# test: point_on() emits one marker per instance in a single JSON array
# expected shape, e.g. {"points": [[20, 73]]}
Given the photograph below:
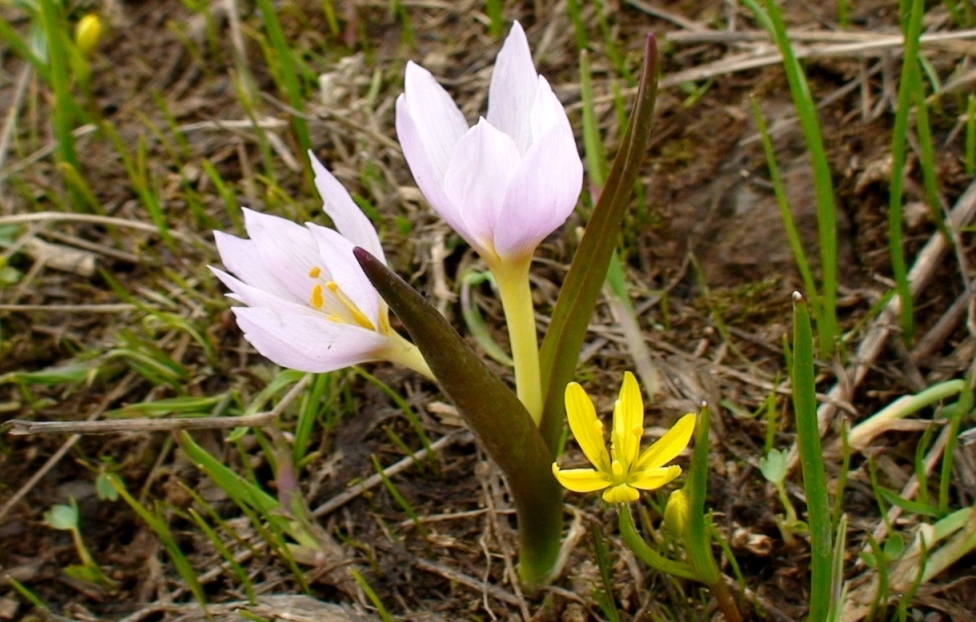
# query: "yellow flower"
{"points": [[676, 513], [87, 33], [625, 468]]}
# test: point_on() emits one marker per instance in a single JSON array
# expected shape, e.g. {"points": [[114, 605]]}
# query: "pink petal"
{"points": [[349, 220], [336, 252], [241, 257], [541, 196], [287, 250], [308, 343], [484, 163], [513, 89], [429, 178], [439, 121]]}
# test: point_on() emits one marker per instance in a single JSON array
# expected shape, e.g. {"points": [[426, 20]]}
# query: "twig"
{"points": [[811, 36], [20, 427], [374, 480], [666, 15], [106, 308], [120, 389], [479, 586], [111, 221], [740, 62]]}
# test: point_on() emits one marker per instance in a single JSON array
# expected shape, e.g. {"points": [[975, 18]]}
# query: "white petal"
{"points": [[258, 297], [514, 81], [349, 220], [439, 121], [336, 253], [541, 195], [288, 251], [483, 165], [547, 111], [429, 178], [241, 257], [308, 343]]}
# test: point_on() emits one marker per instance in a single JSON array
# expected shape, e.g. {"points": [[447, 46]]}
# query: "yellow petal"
{"points": [[585, 426], [676, 512], [621, 494], [628, 421], [666, 448], [652, 479], [580, 480]]}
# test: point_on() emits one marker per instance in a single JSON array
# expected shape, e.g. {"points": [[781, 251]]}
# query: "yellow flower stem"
{"points": [[402, 352], [516, 295]]}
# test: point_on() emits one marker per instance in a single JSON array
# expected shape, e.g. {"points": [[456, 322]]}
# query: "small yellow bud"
{"points": [[676, 513], [87, 33]]}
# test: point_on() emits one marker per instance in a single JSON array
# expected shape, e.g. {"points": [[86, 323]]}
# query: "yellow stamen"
{"points": [[317, 298], [315, 272], [350, 306]]}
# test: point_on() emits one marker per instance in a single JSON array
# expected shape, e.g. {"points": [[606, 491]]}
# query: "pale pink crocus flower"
{"points": [[510, 180], [504, 184], [309, 306]]}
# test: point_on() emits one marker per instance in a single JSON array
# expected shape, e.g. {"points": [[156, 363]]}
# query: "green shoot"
{"points": [[826, 311], [811, 462]]}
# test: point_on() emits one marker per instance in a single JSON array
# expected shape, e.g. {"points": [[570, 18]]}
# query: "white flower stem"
{"points": [[516, 295], [402, 352]]}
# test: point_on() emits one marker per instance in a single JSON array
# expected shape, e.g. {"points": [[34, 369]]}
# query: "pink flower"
{"points": [[511, 179], [309, 306]]}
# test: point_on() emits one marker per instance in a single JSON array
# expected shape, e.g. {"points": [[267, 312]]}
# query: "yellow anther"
{"points": [[637, 431], [317, 299], [350, 306], [617, 468], [315, 272]]}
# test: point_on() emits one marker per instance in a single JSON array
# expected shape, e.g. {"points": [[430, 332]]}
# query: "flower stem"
{"points": [[402, 352], [634, 542], [516, 295]]}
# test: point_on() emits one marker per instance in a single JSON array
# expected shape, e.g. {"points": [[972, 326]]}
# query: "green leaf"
{"points": [[922, 509], [581, 289], [63, 517], [811, 461], [104, 489], [495, 415], [774, 466]]}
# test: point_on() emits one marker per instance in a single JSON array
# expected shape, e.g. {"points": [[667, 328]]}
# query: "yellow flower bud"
{"points": [[87, 33], [676, 513]]}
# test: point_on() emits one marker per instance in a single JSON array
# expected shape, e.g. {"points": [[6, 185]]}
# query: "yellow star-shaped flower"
{"points": [[625, 468]]}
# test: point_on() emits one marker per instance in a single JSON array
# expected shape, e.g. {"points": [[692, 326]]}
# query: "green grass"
{"points": [[824, 300]]}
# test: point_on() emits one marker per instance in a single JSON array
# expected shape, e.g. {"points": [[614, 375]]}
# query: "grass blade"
{"points": [[811, 462], [772, 20]]}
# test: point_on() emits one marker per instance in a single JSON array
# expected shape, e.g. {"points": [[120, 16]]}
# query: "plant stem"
{"points": [[698, 539], [634, 542], [516, 295], [402, 352]]}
